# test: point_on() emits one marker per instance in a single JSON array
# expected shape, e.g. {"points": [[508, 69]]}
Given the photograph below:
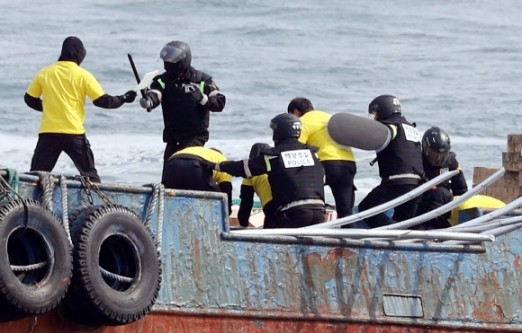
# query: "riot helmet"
{"points": [[382, 107], [285, 125], [436, 146], [176, 58]]}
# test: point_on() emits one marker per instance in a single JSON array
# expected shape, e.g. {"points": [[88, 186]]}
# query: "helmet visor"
{"points": [[436, 158], [172, 54]]}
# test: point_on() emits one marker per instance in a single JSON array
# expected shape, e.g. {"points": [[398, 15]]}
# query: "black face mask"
{"points": [[173, 69]]}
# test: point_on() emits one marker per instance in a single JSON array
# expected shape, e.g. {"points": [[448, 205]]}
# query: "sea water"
{"points": [[454, 64]]}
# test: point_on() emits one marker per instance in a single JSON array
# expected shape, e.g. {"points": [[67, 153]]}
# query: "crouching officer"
{"points": [[255, 185], [184, 171], [438, 158], [294, 173]]}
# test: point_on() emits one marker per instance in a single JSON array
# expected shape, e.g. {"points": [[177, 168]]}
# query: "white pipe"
{"points": [[483, 227], [387, 205], [494, 232], [503, 230], [482, 220], [447, 207], [490, 216], [365, 233]]}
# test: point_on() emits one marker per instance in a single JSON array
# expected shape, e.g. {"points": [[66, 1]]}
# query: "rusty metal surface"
{"points": [[168, 322], [210, 274]]}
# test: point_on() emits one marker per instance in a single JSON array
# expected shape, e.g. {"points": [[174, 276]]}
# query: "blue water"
{"points": [[454, 64]]}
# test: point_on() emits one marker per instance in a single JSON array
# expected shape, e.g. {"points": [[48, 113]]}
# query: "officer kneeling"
{"points": [[294, 173]]}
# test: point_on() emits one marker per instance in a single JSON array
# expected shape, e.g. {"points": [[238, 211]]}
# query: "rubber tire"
{"points": [[31, 234], [115, 238]]}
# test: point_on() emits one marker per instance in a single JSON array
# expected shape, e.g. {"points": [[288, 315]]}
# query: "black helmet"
{"points": [[384, 106], [176, 57], [436, 146], [285, 125]]}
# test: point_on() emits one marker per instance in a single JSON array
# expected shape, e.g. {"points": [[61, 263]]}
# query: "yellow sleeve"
{"points": [[93, 88], [221, 177], [35, 89]]}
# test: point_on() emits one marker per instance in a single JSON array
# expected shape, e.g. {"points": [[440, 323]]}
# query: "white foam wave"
{"points": [[137, 159]]}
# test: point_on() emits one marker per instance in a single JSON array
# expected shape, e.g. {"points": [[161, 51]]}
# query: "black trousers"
{"points": [[384, 193], [339, 176], [173, 147], [76, 146], [430, 200], [296, 217], [187, 174]]}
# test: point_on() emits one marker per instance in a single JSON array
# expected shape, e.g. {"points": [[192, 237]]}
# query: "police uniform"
{"points": [[457, 184], [295, 176], [186, 120], [400, 169], [184, 171], [256, 185], [442, 193], [186, 96]]}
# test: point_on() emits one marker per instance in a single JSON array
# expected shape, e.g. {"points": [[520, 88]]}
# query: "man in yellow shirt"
{"points": [[256, 185], [63, 87], [338, 163], [184, 171]]}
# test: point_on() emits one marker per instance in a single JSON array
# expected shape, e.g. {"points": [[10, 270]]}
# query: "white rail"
{"points": [[385, 206], [368, 233], [447, 207]]}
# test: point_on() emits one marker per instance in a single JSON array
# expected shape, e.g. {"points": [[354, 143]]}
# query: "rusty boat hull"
{"points": [[215, 280]]}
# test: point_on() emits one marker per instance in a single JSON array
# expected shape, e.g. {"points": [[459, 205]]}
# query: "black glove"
{"points": [[207, 165], [129, 96], [196, 93]]}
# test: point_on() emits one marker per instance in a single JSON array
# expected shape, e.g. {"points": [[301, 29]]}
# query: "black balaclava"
{"points": [[173, 69], [73, 50]]}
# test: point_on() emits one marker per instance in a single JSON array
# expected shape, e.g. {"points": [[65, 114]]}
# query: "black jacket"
{"points": [[403, 155], [288, 183], [183, 115], [457, 184]]}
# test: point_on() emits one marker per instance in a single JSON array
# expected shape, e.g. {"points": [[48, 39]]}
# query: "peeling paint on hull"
{"points": [[168, 322], [215, 281]]}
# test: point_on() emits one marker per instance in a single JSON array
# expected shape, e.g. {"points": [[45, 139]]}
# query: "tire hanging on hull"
{"points": [[117, 268], [35, 260]]}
